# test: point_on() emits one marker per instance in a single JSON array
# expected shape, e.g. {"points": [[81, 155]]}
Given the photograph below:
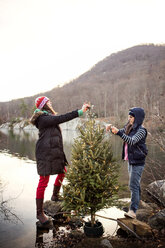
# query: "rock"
{"points": [[52, 208], [144, 214], [25, 124], [30, 127], [145, 211], [157, 221], [153, 206], [75, 222], [71, 125], [138, 227], [144, 205], [163, 232], [46, 226], [122, 233], [157, 190], [5, 125], [105, 243], [95, 243]]}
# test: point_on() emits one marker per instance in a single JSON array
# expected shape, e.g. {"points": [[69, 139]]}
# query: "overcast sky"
{"points": [[45, 43]]}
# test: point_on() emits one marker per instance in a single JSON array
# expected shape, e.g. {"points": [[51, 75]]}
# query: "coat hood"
{"points": [[139, 116], [36, 114]]}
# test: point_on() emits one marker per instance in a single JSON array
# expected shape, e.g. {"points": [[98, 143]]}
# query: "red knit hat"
{"points": [[41, 101]]}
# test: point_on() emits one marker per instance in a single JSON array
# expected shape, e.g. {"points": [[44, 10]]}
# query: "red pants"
{"points": [[43, 183]]}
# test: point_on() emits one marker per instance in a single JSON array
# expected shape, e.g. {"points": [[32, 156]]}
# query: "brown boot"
{"points": [[40, 213], [55, 196]]}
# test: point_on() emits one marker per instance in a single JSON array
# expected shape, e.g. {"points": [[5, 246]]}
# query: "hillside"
{"points": [[132, 77]]}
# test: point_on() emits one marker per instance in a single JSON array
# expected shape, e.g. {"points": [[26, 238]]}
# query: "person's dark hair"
{"points": [[128, 128], [131, 113]]}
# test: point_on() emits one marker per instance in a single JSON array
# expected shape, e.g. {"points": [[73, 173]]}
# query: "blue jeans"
{"points": [[135, 173]]}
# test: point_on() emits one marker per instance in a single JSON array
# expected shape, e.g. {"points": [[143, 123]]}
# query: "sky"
{"points": [[47, 43]]}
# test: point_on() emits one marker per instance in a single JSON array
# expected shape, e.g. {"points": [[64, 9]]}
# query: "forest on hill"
{"points": [[132, 77]]}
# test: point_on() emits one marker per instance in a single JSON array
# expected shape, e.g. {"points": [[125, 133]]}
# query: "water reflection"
{"points": [[19, 143], [18, 216], [22, 143], [6, 211], [44, 235]]}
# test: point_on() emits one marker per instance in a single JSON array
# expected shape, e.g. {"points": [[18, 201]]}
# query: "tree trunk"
{"points": [[92, 219]]}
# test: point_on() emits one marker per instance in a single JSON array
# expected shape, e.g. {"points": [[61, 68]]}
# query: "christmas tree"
{"points": [[92, 179]]}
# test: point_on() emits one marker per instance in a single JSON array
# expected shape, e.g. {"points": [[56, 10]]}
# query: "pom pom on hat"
{"points": [[41, 101]]}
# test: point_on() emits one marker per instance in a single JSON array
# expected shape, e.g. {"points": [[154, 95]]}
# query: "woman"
{"points": [[49, 152], [134, 151]]}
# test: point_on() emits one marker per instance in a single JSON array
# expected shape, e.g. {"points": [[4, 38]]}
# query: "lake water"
{"points": [[18, 183]]}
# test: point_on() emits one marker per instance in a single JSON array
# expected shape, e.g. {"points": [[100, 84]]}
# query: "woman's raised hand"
{"points": [[85, 107]]}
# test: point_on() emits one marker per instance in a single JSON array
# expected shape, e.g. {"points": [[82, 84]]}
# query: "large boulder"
{"points": [[157, 221], [145, 211], [143, 214], [147, 205], [157, 190], [134, 227]]}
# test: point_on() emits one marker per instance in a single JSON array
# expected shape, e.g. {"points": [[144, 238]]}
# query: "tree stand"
{"points": [[94, 231]]}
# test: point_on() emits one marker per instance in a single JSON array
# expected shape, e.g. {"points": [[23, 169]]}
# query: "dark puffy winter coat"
{"points": [[137, 151], [49, 152]]}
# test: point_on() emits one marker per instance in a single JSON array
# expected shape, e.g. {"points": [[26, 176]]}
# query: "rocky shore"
{"points": [[148, 228], [23, 124]]}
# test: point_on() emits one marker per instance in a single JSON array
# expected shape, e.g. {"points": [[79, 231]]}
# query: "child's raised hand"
{"points": [[108, 127], [114, 130], [111, 128]]}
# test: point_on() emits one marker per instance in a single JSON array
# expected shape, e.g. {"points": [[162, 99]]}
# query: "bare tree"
{"points": [[6, 212]]}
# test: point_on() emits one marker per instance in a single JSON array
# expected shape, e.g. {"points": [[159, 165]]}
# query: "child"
{"points": [[49, 152], [134, 151]]}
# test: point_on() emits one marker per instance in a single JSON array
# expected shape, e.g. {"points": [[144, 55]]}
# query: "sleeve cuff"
{"points": [[80, 112], [119, 133]]}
